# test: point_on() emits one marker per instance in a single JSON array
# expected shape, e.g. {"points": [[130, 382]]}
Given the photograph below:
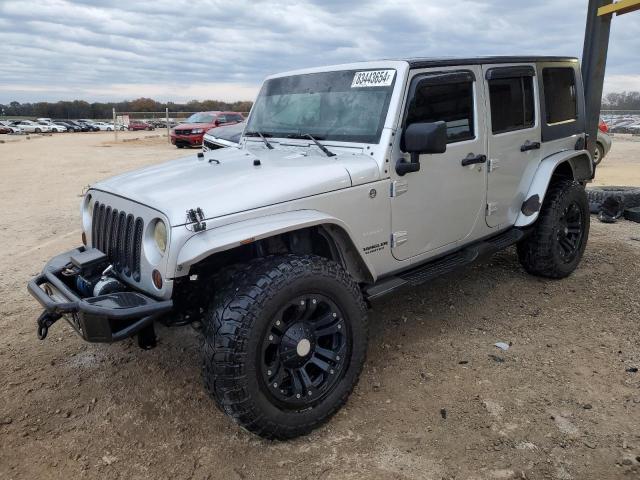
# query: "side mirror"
{"points": [[419, 138], [217, 123]]}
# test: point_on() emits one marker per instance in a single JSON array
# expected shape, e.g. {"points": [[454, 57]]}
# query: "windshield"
{"points": [[347, 106], [200, 118]]}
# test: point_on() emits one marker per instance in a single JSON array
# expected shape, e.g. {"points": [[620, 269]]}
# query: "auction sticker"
{"points": [[373, 78]]}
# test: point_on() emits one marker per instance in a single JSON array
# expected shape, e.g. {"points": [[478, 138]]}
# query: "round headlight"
{"points": [[160, 235]]}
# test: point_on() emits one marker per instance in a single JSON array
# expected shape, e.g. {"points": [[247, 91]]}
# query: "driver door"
{"points": [[438, 206]]}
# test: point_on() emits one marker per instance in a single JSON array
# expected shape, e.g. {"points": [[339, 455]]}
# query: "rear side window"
{"points": [[234, 117], [451, 103], [559, 94], [512, 106]]}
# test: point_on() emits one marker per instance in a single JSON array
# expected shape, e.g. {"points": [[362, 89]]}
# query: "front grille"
{"points": [[119, 236], [183, 132]]}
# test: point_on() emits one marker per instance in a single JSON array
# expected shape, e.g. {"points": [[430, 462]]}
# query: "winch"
{"points": [[94, 274]]}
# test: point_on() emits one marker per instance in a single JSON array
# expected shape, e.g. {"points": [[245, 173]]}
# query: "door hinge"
{"points": [[398, 187], [491, 208], [493, 164], [398, 238]]}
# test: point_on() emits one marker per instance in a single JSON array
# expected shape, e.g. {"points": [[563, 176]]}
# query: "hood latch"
{"points": [[196, 217]]}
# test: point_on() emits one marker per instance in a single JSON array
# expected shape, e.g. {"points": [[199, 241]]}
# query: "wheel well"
{"points": [[562, 172], [328, 241]]}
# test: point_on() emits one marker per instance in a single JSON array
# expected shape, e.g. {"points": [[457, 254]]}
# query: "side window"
{"points": [[236, 117], [559, 94], [512, 105], [452, 103], [221, 118]]}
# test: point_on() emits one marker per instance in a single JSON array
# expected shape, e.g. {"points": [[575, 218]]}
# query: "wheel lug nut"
{"points": [[339, 327], [277, 322], [334, 314], [301, 302], [313, 301], [297, 395], [275, 385], [270, 337], [331, 372], [337, 358], [269, 372], [309, 392]]}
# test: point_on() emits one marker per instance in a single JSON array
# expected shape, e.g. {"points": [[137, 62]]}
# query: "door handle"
{"points": [[472, 159], [530, 146]]}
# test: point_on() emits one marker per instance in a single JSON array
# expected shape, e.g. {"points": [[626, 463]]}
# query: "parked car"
{"points": [[603, 142], [224, 136], [28, 126], [68, 125], [81, 126], [117, 126], [191, 132], [54, 126], [7, 127], [351, 182], [139, 125], [103, 126], [90, 126]]}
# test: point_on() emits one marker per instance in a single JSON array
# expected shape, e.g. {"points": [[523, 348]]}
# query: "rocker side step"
{"points": [[441, 266]]}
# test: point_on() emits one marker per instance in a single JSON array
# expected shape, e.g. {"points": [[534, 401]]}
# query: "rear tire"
{"points": [[284, 344], [556, 245]]}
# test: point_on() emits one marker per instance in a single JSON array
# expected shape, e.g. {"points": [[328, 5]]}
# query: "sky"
{"points": [[177, 50]]}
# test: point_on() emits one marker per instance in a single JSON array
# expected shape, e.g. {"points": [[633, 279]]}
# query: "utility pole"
{"points": [[594, 57]]}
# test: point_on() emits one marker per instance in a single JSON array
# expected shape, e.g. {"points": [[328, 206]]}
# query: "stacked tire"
{"points": [[629, 197]]}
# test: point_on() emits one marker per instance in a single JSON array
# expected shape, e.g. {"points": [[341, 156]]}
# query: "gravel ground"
{"points": [[437, 400]]}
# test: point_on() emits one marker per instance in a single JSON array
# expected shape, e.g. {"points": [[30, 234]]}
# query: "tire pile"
{"points": [[611, 203]]}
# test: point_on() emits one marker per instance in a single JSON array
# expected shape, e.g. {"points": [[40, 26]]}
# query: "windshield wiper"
{"points": [[257, 133], [318, 144]]}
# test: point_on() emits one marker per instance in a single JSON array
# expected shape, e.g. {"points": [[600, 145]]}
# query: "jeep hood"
{"points": [[226, 181]]}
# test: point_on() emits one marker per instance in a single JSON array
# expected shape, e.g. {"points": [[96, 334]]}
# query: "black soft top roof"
{"points": [[452, 62]]}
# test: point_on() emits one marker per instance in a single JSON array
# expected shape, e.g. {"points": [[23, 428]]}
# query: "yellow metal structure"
{"points": [[619, 8]]}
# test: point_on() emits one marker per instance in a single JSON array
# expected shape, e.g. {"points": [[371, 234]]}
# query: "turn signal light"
{"points": [[84, 239], [157, 279]]}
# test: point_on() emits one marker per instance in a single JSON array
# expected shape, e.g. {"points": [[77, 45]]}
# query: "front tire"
{"points": [[556, 245], [285, 340]]}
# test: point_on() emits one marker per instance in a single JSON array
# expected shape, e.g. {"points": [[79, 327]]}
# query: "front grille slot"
{"points": [[119, 236], [183, 132]]}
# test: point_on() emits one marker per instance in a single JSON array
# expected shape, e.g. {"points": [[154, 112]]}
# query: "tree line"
{"points": [[81, 109], [621, 101]]}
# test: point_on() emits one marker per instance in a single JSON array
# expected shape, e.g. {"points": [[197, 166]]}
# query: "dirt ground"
{"points": [[437, 400]]}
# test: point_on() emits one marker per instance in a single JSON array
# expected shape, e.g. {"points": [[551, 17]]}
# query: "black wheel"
{"points": [[38, 130], [556, 245], [284, 344], [179, 145], [598, 154]]}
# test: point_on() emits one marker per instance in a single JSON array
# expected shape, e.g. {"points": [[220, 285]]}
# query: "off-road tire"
{"points": [[630, 196], [632, 214], [237, 322], [540, 252]]}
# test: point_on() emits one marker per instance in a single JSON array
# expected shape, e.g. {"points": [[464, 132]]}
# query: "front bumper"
{"points": [[105, 318], [187, 140]]}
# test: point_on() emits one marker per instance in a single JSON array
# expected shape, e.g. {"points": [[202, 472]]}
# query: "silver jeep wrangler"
{"points": [[350, 182]]}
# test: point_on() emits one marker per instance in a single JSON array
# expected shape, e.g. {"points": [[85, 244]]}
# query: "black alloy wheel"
{"points": [[570, 232], [304, 351]]}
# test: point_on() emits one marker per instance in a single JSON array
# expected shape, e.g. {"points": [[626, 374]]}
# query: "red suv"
{"points": [[190, 133], [138, 125]]}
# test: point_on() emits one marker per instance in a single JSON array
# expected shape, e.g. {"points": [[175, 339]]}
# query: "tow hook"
{"points": [[45, 320]]}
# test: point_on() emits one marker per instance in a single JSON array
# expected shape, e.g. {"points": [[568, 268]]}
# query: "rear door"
{"points": [[513, 139]]}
